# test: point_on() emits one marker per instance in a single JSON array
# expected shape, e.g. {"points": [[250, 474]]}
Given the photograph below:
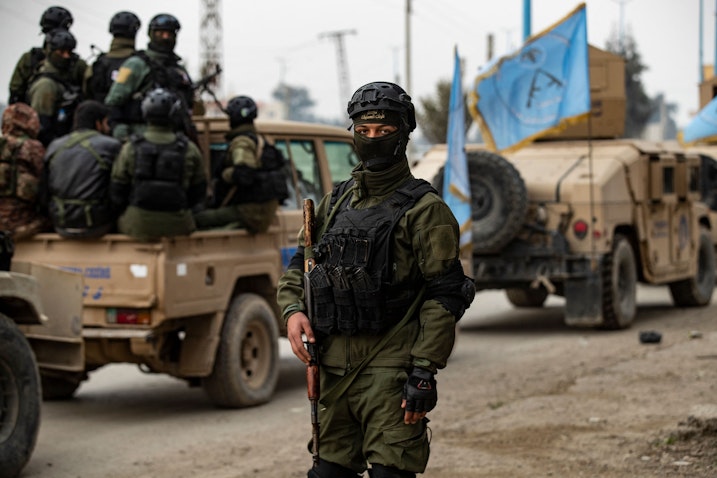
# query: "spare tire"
{"points": [[499, 200]]}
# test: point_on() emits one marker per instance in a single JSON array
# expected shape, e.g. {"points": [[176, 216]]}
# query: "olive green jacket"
{"points": [[425, 244], [147, 225]]}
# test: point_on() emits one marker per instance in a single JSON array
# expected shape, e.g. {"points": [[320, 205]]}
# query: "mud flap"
{"points": [[583, 301]]}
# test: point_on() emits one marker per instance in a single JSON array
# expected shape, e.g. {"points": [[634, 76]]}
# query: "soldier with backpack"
{"points": [[156, 67], [99, 77], [250, 182], [20, 172], [55, 94], [29, 63]]}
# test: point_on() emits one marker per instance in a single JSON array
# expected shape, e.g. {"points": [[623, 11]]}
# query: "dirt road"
{"points": [[523, 396]]}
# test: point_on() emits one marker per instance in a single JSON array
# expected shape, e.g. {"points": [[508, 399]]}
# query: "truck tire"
{"points": [[499, 200], [619, 281], [19, 399], [697, 291], [527, 296], [246, 368]]}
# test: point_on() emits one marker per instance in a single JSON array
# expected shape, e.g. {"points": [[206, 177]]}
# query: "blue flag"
{"points": [[702, 127], [456, 187], [542, 88]]}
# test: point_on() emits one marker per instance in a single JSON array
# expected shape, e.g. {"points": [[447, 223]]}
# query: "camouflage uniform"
{"points": [[254, 216], [148, 225], [21, 164]]}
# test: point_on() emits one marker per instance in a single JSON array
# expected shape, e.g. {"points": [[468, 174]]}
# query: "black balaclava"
{"points": [[378, 154], [162, 45]]}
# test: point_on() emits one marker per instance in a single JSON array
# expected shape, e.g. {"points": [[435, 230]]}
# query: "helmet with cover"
{"points": [[57, 42], [55, 17], [382, 102], [159, 106], [124, 25], [241, 109], [157, 30]]}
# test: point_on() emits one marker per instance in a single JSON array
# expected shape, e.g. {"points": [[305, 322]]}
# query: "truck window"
{"points": [[302, 153], [668, 180], [342, 159]]}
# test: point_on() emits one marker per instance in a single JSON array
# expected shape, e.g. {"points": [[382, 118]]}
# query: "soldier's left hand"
{"points": [[419, 395]]}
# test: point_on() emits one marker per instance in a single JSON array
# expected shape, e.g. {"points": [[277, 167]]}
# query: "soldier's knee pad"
{"points": [[326, 469], [380, 471]]}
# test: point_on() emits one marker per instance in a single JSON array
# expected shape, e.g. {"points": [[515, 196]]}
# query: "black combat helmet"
{"points": [[382, 95], [60, 40], [164, 21], [124, 25], [160, 105], [241, 109], [55, 17]]}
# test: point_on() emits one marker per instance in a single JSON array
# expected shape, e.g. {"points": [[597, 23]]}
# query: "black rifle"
{"points": [[312, 369]]}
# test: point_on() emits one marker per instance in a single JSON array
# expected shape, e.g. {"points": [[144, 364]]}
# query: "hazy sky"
{"points": [[270, 40]]}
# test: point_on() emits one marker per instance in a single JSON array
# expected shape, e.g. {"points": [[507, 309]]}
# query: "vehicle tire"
{"points": [[619, 284], [697, 291], [58, 387], [527, 296], [499, 200], [19, 399], [246, 367]]}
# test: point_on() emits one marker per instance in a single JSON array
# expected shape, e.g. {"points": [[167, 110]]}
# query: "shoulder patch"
{"points": [[443, 242], [123, 74]]}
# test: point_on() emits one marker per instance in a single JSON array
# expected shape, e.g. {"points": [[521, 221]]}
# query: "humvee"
{"points": [[201, 308]]}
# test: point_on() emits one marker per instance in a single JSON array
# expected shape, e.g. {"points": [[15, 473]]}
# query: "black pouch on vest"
{"points": [[344, 300], [323, 313]]}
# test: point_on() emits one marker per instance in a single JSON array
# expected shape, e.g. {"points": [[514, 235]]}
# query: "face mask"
{"points": [[162, 45], [58, 61], [378, 154]]}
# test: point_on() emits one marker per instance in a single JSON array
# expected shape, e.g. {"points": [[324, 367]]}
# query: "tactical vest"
{"points": [[104, 70], [351, 284], [15, 181], [268, 181], [65, 105], [158, 183], [92, 209]]}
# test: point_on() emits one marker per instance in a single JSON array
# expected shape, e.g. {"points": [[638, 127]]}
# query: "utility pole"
{"points": [[621, 34], [343, 68], [211, 53], [408, 47]]}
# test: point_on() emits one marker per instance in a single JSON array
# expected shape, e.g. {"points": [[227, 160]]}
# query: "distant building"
{"points": [[661, 124]]}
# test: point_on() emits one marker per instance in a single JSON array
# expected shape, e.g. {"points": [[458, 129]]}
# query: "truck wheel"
{"points": [[527, 296], [619, 276], [697, 291], [246, 367], [19, 399], [57, 387], [499, 200]]}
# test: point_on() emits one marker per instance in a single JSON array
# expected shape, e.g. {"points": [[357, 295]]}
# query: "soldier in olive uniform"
{"points": [[29, 63], [386, 292], [54, 94], [20, 172], [247, 190], [158, 177], [158, 66], [100, 76]]}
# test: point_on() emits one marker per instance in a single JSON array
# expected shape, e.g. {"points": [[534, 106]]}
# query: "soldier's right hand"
{"points": [[298, 326]]}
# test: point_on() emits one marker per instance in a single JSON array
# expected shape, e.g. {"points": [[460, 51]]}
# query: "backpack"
{"points": [[104, 70]]}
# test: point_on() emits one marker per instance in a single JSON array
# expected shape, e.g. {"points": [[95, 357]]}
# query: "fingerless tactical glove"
{"points": [[420, 391]]}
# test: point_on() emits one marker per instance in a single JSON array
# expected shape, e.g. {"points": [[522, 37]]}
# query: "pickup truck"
{"points": [[202, 307]]}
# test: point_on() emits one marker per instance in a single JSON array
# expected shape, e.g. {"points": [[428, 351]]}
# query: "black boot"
{"points": [[326, 469], [380, 471]]}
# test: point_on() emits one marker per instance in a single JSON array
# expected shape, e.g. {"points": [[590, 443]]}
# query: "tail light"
{"points": [[129, 316], [580, 229]]}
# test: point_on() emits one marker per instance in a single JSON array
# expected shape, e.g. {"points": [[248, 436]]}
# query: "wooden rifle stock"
{"points": [[312, 369]]}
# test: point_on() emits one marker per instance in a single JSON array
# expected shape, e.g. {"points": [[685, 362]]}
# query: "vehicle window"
{"points": [[303, 155], [668, 180], [342, 159]]}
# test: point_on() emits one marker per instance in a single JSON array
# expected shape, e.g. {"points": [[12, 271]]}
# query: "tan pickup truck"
{"points": [[202, 307]]}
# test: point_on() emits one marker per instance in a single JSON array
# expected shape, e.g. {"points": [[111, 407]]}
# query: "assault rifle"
{"points": [[312, 369], [207, 80]]}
